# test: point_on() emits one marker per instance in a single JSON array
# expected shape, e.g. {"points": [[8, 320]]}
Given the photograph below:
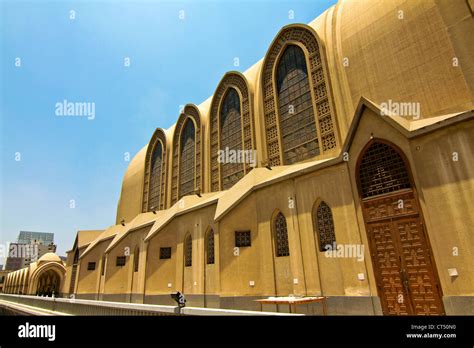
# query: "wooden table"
{"points": [[293, 301]]}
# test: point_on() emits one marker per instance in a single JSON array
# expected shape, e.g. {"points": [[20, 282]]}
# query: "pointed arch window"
{"points": [[231, 124], [210, 247], [325, 227], [298, 110], [382, 170], [156, 177], [188, 251], [231, 138], [187, 159], [280, 232], [299, 138]]}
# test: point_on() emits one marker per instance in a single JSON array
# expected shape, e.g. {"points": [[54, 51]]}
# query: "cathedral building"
{"points": [[339, 165]]}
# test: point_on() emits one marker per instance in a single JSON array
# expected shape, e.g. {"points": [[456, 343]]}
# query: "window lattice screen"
{"points": [[186, 166], [281, 236], [165, 253], [317, 75], [382, 170], [155, 178], [325, 227], [231, 137], [243, 239], [191, 113], [297, 123], [236, 82], [210, 247], [188, 251], [155, 173]]}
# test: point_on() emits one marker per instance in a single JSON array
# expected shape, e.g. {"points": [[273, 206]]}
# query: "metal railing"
{"points": [[92, 307]]}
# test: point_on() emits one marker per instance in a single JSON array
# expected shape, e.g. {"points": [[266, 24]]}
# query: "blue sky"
{"points": [[46, 160]]}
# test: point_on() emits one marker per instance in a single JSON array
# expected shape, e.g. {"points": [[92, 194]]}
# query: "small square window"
{"points": [[91, 266], [120, 261], [242, 239], [165, 253]]}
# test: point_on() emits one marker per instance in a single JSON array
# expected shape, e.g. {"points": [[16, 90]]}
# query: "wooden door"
{"points": [[405, 272], [403, 267]]}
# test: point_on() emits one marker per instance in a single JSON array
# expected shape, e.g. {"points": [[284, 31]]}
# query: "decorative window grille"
{"points": [[188, 251], [210, 247], [155, 177], [154, 186], [297, 122], [242, 239], [165, 253], [292, 93], [325, 227], [231, 138], [382, 170], [91, 266], [187, 160], [232, 82], [281, 236], [120, 261]]}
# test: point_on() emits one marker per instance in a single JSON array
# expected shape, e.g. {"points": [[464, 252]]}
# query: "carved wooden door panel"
{"points": [[404, 271], [418, 268], [387, 266]]}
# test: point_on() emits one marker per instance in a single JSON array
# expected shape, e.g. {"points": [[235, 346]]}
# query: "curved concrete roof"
{"points": [[130, 202], [49, 257], [402, 56], [385, 58]]}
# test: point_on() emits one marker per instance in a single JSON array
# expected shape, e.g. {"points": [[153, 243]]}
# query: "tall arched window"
{"points": [[280, 232], [154, 186], [324, 227], [382, 170], [231, 125], [188, 251], [298, 109], [155, 177], [187, 159], [297, 123], [231, 138], [210, 247]]}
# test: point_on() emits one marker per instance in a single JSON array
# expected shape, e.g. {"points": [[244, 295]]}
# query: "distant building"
{"points": [[14, 260], [29, 237], [29, 248]]}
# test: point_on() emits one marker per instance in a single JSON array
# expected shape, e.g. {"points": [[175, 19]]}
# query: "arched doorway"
{"points": [[405, 273], [48, 283]]}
